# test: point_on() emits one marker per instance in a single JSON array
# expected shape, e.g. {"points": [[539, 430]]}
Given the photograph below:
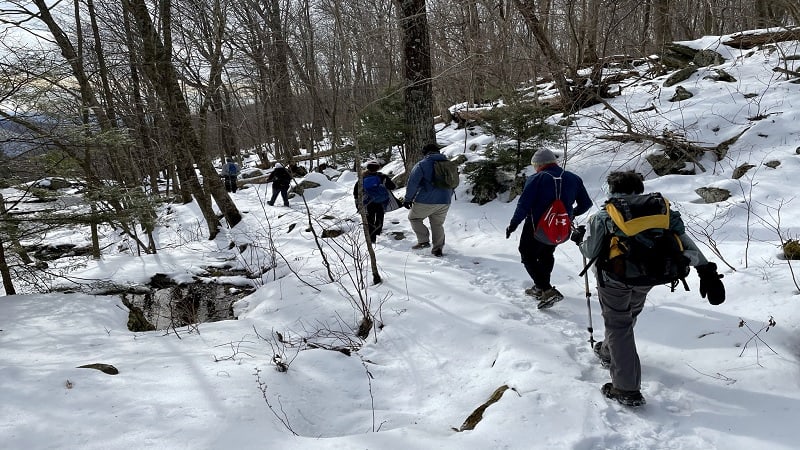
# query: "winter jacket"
{"points": [[385, 180], [280, 178], [420, 188], [602, 226], [540, 191]]}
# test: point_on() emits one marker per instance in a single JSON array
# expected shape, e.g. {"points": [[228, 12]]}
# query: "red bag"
{"points": [[555, 226]]}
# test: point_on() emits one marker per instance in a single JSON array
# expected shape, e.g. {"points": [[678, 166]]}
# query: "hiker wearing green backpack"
{"points": [[376, 197], [550, 185], [636, 242], [428, 193]]}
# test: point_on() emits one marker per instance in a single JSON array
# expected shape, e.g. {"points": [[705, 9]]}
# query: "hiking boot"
{"points": [[534, 292], [549, 298], [421, 245], [271, 203], [437, 252], [627, 398], [605, 359]]}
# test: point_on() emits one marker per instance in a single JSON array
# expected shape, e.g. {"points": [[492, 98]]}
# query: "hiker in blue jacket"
{"points": [[375, 207], [427, 201], [538, 194], [230, 172]]}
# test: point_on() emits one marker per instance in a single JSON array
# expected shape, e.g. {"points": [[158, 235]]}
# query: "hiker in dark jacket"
{"points": [[230, 172], [280, 178], [374, 209], [622, 303], [427, 201], [539, 192]]}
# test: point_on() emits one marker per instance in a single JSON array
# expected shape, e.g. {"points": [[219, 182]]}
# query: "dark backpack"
{"points": [[554, 226], [445, 174], [233, 169], [374, 190], [643, 251]]}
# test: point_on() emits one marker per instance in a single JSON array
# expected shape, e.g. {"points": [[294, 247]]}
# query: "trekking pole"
{"points": [[585, 273], [588, 303]]}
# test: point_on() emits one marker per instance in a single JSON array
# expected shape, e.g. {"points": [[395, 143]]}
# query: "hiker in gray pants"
{"points": [[426, 200], [622, 302]]}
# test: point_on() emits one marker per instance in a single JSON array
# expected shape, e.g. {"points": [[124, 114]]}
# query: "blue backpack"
{"points": [[233, 170], [374, 190]]}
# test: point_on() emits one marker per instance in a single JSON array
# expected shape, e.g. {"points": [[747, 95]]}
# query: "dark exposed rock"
{"points": [[712, 194], [663, 165], [772, 164], [332, 233], [161, 281], [679, 76], [681, 94], [741, 170], [705, 58]]}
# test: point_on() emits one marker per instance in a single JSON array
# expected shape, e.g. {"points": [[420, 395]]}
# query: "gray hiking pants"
{"points": [[621, 304], [435, 213]]}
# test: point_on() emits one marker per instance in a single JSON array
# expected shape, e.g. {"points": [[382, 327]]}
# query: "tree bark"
{"points": [[417, 71]]}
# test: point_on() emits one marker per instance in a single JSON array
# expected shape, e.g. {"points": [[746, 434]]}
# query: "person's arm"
{"points": [[592, 244], [413, 183], [525, 202], [690, 249], [389, 183]]}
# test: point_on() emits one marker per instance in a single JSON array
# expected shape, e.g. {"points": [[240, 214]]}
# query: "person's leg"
{"points": [[620, 343], [372, 220], [285, 196], [538, 260], [436, 219], [233, 184], [275, 192], [378, 221], [418, 213]]}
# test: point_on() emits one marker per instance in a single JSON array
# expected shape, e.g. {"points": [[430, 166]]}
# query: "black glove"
{"points": [[407, 205], [578, 233], [510, 229], [711, 284]]}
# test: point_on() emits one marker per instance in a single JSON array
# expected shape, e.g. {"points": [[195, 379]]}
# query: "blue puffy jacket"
{"points": [[420, 186]]}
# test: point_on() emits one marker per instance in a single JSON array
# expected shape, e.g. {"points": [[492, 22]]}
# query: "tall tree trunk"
{"points": [[286, 121], [159, 68], [662, 26], [417, 71]]}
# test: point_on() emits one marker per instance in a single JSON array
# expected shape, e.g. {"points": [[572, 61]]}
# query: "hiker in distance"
{"points": [[550, 182], [623, 280], [280, 178], [429, 198], [230, 171], [377, 197]]}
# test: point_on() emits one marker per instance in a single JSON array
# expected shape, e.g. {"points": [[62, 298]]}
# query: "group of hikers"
{"points": [[635, 242], [280, 178]]}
